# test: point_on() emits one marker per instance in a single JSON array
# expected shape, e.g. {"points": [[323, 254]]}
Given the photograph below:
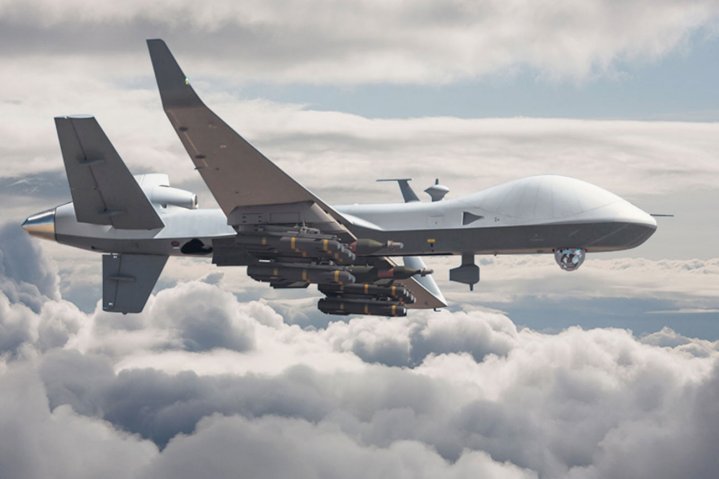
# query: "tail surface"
{"points": [[103, 190]]}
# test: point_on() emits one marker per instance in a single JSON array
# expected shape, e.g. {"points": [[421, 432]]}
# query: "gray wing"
{"points": [[249, 188], [103, 189], [128, 279]]}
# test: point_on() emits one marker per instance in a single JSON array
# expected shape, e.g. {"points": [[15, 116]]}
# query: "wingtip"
{"points": [[175, 90], [157, 47], [70, 118]]}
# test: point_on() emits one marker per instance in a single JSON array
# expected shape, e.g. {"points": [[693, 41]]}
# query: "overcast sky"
{"points": [[610, 371]]}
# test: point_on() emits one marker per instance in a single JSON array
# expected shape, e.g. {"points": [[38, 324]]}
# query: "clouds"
{"points": [[271, 447], [451, 394], [29, 292], [203, 317], [478, 153], [159, 406], [576, 404], [473, 153], [373, 41], [26, 276], [408, 341], [653, 157], [36, 442], [638, 442], [691, 283]]}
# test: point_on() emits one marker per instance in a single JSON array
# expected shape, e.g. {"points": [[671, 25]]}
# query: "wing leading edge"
{"points": [[287, 236], [249, 188]]}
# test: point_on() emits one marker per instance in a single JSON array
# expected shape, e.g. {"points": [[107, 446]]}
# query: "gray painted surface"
{"points": [[236, 173], [102, 187], [150, 221], [128, 279]]}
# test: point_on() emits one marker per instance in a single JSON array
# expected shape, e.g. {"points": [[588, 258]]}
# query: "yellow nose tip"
{"points": [[41, 225]]}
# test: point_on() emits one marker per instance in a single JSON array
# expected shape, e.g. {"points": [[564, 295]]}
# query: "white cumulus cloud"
{"points": [[451, 394], [368, 41]]}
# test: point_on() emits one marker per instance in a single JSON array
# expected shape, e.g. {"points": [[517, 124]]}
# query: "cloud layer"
{"points": [[371, 40], [204, 382]]}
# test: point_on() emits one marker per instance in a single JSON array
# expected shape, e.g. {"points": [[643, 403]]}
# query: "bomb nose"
{"points": [[41, 225]]}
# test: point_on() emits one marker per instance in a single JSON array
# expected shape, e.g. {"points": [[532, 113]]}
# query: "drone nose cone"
{"points": [[640, 224], [41, 225], [650, 222], [631, 214], [646, 220]]}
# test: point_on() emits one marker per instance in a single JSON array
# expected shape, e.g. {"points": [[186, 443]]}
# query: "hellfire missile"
{"points": [[396, 292], [301, 246], [353, 306], [371, 274], [305, 273], [365, 246]]}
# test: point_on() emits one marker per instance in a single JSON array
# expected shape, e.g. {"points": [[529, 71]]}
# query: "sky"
{"points": [[609, 371]]}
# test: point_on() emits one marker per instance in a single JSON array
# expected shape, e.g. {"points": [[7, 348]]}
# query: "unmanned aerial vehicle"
{"points": [[287, 236]]}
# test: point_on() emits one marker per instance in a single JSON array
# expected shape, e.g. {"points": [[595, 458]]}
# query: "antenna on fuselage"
{"points": [[407, 192], [437, 191]]}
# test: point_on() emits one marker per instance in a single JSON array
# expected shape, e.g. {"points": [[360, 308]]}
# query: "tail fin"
{"points": [[408, 193], [103, 190], [128, 279]]}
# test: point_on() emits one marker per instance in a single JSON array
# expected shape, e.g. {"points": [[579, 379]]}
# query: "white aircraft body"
{"points": [[287, 236]]}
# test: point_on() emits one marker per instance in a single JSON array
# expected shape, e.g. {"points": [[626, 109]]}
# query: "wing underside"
{"points": [[249, 188], [286, 235], [128, 279]]}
